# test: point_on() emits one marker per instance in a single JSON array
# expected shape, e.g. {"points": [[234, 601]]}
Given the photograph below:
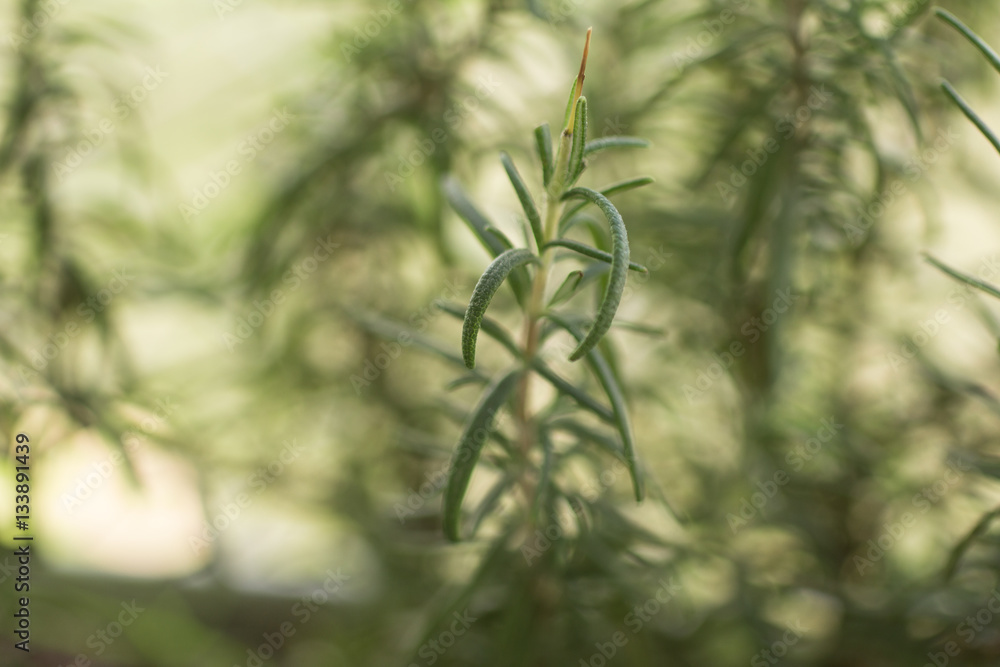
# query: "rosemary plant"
{"points": [[530, 271], [982, 526]]}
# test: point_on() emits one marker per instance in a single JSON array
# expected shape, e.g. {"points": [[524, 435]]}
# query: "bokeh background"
{"points": [[217, 216]]}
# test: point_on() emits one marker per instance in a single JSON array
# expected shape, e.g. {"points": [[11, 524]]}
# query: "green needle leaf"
{"points": [[970, 114], [543, 142], [471, 215], [619, 269], [490, 502], [470, 444], [567, 289], [599, 365], [507, 243], [481, 227], [983, 47], [575, 166], [624, 186], [591, 252], [543, 495], [605, 442], [527, 203], [462, 381], [967, 279], [563, 386], [614, 142], [483, 293]]}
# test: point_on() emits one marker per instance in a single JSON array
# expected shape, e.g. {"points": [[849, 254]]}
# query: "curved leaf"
{"points": [[543, 143], [614, 142], [483, 293], [976, 41], [592, 252], [493, 329], [470, 445], [490, 326], [606, 377], [527, 203], [619, 269]]}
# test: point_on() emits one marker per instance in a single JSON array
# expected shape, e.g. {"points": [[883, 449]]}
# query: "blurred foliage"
{"points": [[802, 388]]}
